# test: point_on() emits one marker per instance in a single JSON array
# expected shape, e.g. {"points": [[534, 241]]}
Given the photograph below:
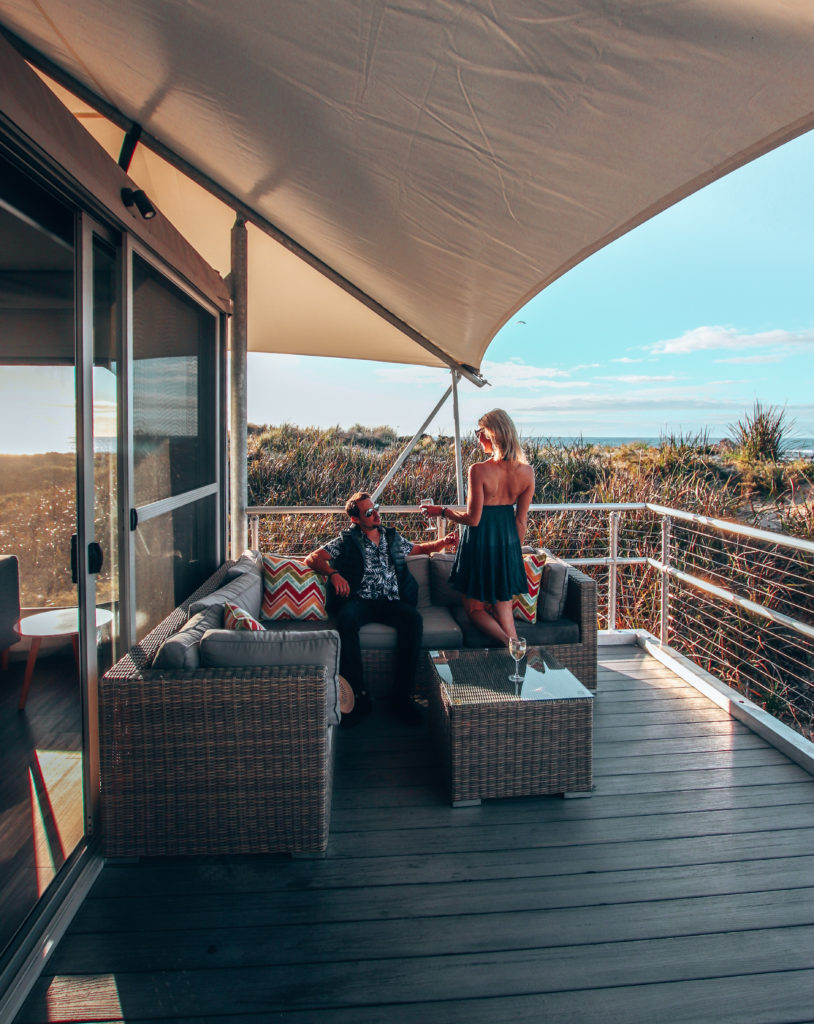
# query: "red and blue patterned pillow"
{"points": [[235, 617], [292, 591], [524, 606]]}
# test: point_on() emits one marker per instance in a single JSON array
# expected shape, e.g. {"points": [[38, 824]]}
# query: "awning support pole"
{"points": [[409, 447], [238, 419], [129, 143], [459, 472]]}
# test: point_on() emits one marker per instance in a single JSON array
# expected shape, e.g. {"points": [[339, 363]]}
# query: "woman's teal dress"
{"points": [[489, 563]]}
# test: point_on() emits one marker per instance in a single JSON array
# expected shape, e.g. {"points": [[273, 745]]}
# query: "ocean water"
{"points": [[798, 447]]}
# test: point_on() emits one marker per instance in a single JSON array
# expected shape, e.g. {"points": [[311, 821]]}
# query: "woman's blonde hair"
{"points": [[504, 435]]}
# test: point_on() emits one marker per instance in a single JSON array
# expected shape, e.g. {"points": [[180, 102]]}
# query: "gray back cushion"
{"points": [[442, 593], [245, 590], [183, 649], [553, 590], [249, 561], [419, 566]]}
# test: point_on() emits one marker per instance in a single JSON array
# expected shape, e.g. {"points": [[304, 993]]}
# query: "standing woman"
{"points": [[488, 566]]}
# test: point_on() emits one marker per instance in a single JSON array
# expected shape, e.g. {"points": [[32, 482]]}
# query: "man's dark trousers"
{"points": [[359, 611]]}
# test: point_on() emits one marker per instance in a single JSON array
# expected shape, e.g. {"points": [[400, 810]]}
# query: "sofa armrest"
{"points": [[204, 761], [580, 602], [245, 649]]}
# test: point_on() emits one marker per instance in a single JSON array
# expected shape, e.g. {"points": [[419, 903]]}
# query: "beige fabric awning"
{"points": [[448, 160]]}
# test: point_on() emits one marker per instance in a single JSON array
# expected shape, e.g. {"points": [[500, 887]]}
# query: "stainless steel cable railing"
{"points": [[736, 600]]}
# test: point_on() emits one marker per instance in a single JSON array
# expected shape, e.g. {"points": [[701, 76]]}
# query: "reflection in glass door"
{"points": [[105, 446], [41, 730]]}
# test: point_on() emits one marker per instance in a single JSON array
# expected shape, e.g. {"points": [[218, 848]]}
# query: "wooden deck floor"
{"points": [[682, 891]]}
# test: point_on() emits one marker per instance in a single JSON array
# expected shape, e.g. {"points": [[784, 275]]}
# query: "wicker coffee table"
{"points": [[501, 739]]}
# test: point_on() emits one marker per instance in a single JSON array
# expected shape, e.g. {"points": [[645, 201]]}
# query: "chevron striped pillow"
{"points": [[524, 606], [235, 617], [291, 590]]}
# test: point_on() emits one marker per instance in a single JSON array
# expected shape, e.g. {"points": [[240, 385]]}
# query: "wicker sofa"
{"points": [[217, 741], [215, 760], [570, 631]]}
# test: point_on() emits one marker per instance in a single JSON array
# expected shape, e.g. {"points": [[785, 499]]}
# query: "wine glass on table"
{"points": [[431, 525], [517, 649]]}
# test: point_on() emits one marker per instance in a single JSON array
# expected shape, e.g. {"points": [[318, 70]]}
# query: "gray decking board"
{"points": [[681, 891], [250, 910]]}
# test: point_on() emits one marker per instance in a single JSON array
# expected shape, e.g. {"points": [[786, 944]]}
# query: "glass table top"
{"points": [[472, 676]]}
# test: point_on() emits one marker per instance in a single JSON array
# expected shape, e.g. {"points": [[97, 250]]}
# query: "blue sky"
{"points": [[677, 327]]}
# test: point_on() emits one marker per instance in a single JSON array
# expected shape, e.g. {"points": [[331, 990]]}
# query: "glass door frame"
{"points": [[87, 230]]}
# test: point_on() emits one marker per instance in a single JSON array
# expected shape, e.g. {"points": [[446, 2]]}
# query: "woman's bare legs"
{"points": [[505, 619], [498, 624]]}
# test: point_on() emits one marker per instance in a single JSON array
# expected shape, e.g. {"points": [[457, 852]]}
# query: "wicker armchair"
{"points": [[213, 761]]}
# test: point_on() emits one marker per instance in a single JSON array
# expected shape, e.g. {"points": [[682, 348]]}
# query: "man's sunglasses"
{"points": [[368, 512]]}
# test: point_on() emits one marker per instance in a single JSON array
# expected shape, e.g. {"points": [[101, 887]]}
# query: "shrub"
{"points": [[762, 434]]}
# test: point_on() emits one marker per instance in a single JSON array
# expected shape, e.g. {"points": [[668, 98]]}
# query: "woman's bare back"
{"points": [[503, 483]]}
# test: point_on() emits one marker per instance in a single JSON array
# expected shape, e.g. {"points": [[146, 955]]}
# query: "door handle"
{"points": [[96, 558]]}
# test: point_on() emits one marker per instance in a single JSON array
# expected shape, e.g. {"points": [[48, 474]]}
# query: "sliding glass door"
{"points": [[59, 337], [176, 425], [111, 468]]}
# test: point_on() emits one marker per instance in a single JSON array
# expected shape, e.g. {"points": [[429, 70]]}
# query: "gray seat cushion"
{"points": [[227, 648], [297, 625], [440, 630], [538, 634], [183, 649]]}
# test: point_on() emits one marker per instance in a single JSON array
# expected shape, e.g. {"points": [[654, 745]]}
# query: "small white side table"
{"points": [[59, 622]]}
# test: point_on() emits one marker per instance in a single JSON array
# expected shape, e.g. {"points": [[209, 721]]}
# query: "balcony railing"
{"points": [[737, 601]]}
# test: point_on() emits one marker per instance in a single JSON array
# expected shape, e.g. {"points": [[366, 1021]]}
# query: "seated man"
{"points": [[371, 583]]}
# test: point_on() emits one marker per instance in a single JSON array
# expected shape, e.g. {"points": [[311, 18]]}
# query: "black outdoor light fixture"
{"points": [[138, 198]]}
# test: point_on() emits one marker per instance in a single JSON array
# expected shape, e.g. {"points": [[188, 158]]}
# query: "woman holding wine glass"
{"points": [[488, 566]]}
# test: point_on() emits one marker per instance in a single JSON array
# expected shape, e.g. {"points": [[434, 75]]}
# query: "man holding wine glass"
{"points": [[370, 582]]}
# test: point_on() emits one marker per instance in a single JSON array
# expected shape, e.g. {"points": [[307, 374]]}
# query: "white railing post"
{"points": [[665, 579], [255, 524], [613, 568]]}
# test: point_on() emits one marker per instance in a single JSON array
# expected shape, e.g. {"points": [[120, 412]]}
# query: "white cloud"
{"points": [[516, 374], [513, 373], [701, 339], [641, 378], [628, 403], [625, 359], [766, 357]]}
